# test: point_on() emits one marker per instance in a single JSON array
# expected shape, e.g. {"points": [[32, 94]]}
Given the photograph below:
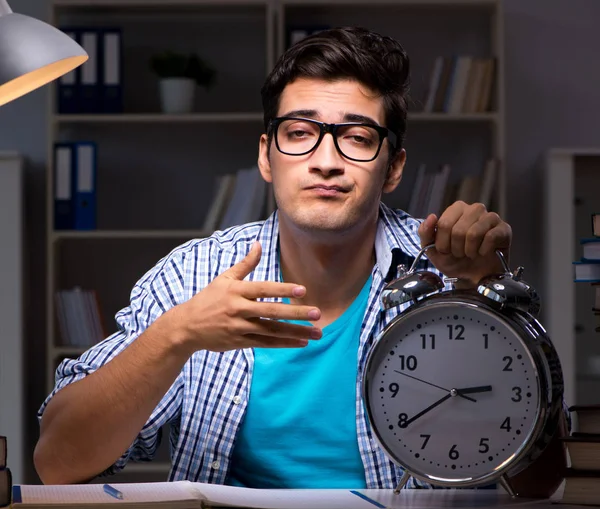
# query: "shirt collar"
{"points": [[396, 232]]}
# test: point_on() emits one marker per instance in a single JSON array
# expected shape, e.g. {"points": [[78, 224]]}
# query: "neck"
{"points": [[333, 272]]}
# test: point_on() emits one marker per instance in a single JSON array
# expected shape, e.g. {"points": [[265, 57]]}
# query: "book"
{"points": [[581, 487], [5, 486], [587, 418], [587, 272], [195, 495], [3, 454], [596, 224], [590, 249], [584, 451], [5, 475]]}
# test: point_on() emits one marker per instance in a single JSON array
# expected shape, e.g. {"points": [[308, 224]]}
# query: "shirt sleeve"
{"points": [[146, 305]]}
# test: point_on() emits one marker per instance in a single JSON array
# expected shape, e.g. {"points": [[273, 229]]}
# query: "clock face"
{"points": [[452, 393]]}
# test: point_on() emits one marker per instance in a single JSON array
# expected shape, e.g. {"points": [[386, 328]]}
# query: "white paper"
{"points": [[94, 493]]}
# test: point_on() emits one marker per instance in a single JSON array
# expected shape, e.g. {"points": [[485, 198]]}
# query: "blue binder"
{"points": [[84, 157], [90, 89], [64, 215], [111, 70], [68, 86]]}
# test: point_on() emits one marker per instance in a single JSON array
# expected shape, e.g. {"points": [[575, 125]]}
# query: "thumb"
{"points": [[427, 230], [241, 269]]}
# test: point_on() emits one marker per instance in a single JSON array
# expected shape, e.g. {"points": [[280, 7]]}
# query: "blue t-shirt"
{"points": [[300, 426]]}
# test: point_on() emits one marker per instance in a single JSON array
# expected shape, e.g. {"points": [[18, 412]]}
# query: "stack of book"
{"points": [[238, 198], [79, 317], [96, 86], [587, 269], [582, 483], [461, 84], [434, 189], [5, 476]]}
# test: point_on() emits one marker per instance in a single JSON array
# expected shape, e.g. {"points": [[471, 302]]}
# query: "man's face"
{"points": [[323, 191]]}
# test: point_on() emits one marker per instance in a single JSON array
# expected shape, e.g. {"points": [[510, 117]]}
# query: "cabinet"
{"points": [[156, 171], [570, 197], [12, 312]]}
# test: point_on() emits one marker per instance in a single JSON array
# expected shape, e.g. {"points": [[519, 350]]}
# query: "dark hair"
{"points": [[376, 61]]}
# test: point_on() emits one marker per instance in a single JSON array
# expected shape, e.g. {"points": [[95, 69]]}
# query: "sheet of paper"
{"points": [[231, 496], [94, 493]]}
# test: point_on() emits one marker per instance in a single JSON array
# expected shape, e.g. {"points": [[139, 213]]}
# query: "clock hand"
{"points": [[433, 385], [429, 408], [474, 390]]}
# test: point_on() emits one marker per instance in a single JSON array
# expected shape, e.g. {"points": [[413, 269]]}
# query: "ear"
{"points": [[394, 172], [264, 163]]}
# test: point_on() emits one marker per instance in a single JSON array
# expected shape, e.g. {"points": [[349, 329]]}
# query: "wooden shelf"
{"points": [[155, 118], [188, 3], [408, 3], [150, 467], [162, 4], [458, 117], [66, 351], [129, 234]]}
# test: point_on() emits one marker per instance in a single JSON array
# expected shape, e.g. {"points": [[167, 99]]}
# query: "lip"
{"points": [[324, 190]]}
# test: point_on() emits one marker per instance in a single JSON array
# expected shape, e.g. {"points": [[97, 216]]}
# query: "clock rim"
{"points": [[514, 321]]}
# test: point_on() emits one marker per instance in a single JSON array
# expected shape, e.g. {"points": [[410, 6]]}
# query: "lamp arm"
{"points": [[4, 8]]}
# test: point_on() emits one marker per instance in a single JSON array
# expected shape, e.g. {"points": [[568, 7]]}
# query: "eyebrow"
{"points": [[314, 114]]}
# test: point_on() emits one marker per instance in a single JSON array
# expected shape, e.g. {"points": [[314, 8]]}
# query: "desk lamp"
{"points": [[32, 54]]}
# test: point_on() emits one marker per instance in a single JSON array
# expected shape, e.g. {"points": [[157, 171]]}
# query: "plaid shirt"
{"points": [[206, 403]]}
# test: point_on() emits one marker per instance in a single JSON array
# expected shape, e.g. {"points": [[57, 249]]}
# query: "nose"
{"points": [[326, 159]]}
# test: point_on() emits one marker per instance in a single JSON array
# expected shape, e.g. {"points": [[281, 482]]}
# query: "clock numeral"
{"points": [[409, 362], [402, 418], [394, 387], [483, 445], [486, 339], [453, 453], [426, 439], [456, 332], [506, 424], [508, 361], [424, 339], [517, 397]]}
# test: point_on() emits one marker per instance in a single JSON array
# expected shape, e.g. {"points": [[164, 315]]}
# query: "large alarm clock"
{"points": [[464, 387]]}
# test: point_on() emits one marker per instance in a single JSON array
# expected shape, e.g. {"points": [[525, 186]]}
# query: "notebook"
{"points": [[191, 495]]}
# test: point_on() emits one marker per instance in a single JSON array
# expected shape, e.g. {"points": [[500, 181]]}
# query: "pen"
{"points": [[113, 492], [368, 499]]}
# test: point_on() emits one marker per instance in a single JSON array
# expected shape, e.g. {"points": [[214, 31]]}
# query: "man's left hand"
{"points": [[466, 238]]}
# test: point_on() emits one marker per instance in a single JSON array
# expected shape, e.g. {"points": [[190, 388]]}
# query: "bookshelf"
{"points": [[156, 171], [570, 177]]}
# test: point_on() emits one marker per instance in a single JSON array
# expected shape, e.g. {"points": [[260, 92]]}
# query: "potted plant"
{"points": [[179, 74]]}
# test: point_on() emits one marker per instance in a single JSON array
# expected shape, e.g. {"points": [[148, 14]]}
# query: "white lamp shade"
{"points": [[32, 54]]}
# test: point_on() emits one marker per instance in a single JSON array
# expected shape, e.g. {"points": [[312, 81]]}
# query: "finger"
{"points": [[270, 289], [258, 341], [277, 329], [469, 230], [426, 230], [241, 269], [445, 225], [478, 232], [280, 311], [498, 237]]}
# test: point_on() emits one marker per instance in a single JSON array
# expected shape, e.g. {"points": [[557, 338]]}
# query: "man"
{"points": [[251, 342]]}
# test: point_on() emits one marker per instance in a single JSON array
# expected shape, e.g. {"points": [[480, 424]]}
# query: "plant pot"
{"points": [[177, 95]]}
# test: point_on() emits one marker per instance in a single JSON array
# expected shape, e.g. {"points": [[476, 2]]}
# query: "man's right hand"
{"points": [[226, 315]]}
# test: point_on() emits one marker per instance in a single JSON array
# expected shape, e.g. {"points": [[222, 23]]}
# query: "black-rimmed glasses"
{"points": [[353, 140]]}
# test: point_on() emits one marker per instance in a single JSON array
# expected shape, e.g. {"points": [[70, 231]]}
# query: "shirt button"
{"points": [[215, 465], [237, 400]]}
